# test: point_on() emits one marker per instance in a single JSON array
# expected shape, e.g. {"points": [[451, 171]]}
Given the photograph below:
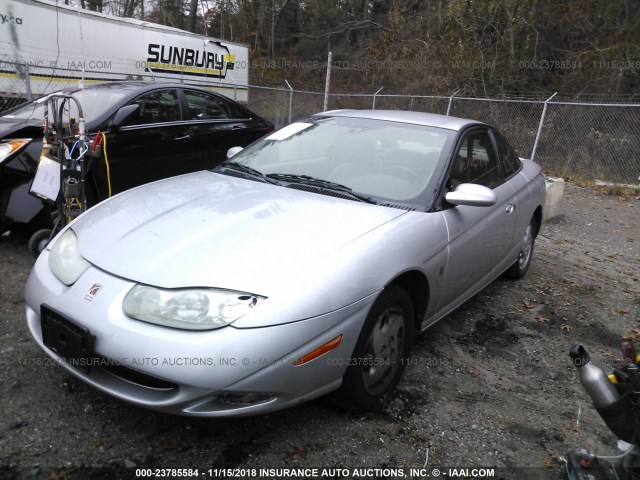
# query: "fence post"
{"points": [[453, 94], [290, 99], [22, 70], [327, 82], [374, 97], [544, 112]]}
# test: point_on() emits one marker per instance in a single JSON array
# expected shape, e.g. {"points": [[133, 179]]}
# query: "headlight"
{"points": [[65, 261], [10, 147], [192, 309]]}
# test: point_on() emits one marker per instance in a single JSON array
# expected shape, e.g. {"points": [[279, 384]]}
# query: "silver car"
{"points": [[302, 266]]}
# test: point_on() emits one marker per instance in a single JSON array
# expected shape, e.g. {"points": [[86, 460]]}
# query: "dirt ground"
{"points": [[489, 386]]}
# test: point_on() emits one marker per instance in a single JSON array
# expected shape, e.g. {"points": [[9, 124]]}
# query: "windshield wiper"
{"points": [[319, 182], [246, 169], [308, 180]]}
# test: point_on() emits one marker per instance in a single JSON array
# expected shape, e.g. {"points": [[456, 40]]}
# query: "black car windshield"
{"points": [[94, 102], [388, 160]]}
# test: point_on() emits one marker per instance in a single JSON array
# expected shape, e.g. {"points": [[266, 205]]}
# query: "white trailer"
{"points": [[45, 46]]}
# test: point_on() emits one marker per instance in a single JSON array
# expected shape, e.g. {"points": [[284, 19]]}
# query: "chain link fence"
{"points": [[585, 141], [591, 141]]}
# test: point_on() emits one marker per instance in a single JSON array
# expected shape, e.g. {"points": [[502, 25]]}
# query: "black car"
{"points": [[152, 131]]}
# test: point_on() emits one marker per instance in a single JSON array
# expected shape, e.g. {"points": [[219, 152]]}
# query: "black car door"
{"points": [[152, 144], [215, 127]]}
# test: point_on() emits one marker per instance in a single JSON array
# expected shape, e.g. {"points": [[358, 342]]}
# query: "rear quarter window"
{"points": [[508, 157]]}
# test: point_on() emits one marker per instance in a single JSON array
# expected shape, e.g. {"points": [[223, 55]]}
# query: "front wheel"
{"points": [[39, 241], [380, 353], [521, 265]]}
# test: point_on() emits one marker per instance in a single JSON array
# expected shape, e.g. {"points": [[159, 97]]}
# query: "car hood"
{"points": [[13, 128], [208, 229]]}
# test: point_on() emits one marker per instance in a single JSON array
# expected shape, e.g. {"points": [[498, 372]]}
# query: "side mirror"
{"points": [[472, 195], [233, 150], [122, 115]]}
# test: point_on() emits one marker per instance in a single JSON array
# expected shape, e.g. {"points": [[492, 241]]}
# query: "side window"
{"points": [[203, 106], [508, 157], [156, 107], [475, 162], [238, 112]]}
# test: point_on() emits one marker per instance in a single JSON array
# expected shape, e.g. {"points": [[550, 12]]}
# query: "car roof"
{"points": [[418, 118], [131, 89], [131, 85], [135, 87]]}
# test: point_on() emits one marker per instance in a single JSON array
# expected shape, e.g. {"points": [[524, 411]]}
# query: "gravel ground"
{"points": [[489, 386]]}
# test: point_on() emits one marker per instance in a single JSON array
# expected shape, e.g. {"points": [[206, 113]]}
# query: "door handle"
{"points": [[510, 208], [179, 139]]}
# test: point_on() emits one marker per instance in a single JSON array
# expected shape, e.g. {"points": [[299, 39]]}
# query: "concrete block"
{"points": [[553, 201]]}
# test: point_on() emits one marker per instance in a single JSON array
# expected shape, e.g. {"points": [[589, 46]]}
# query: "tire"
{"points": [[39, 241], [521, 265], [380, 353]]}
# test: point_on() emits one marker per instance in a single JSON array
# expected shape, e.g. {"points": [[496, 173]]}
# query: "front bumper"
{"points": [[225, 372]]}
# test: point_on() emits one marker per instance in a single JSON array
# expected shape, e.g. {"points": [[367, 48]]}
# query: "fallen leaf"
{"points": [[566, 327], [101, 442], [526, 304], [164, 446], [295, 450], [473, 371], [572, 427], [542, 319], [58, 475]]}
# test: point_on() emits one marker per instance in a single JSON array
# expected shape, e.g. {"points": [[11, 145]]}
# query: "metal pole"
{"points": [[455, 92], [27, 80], [326, 85], [291, 99], [544, 112], [374, 97], [235, 91], [22, 73]]}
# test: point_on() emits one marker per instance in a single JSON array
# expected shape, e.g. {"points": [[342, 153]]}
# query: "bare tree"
{"points": [[193, 13], [277, 6]]}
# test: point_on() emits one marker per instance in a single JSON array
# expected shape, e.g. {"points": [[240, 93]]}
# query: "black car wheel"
{"points": [[39, 241], [521, 265], [380, 353]]}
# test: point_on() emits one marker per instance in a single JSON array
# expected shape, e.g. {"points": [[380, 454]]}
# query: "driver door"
{"points": [[152, 144], [479, 238]]}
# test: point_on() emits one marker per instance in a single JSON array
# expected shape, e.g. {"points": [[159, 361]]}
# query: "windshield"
{"points": [[378, 158], [94, 102]]}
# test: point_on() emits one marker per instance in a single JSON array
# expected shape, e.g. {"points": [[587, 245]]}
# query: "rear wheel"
{"points": [[380, 353], [521, 265]]}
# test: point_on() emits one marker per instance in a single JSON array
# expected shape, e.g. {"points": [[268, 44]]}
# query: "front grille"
{"points": [[133, 376]]}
